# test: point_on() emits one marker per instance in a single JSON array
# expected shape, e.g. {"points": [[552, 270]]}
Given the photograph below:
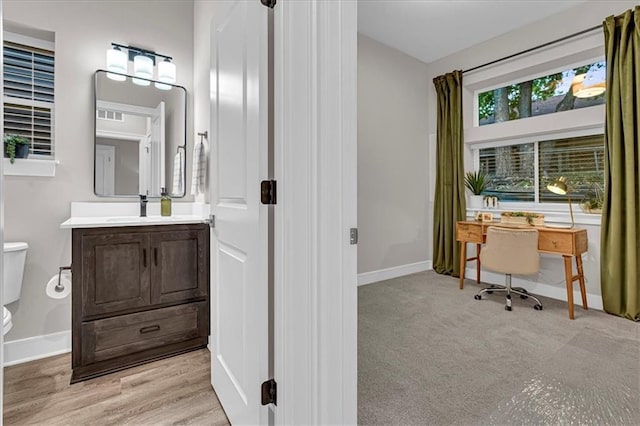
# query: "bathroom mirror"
{"points": [[140, 137]]}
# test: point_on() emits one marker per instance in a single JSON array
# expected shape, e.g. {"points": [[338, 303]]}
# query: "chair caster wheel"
{"points": [[477, 297], [507, 308], [522, 296], [537, 307], [489, 292]]}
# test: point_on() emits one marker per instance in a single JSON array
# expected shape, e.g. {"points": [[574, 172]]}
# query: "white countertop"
{"points": [[103, 222], [106, 214]]}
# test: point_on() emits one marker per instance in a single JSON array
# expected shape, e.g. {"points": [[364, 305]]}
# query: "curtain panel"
{"points": [[449, 203], [620, 242]]}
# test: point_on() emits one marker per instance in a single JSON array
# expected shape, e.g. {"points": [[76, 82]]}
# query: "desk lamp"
{"points": [[560, 187]]}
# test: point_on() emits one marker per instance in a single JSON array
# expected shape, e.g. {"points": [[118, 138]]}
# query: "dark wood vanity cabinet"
{"points": [[140, 293]]}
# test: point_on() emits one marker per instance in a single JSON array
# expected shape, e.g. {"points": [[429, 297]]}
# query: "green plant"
{"points": [[11, 142], [528, 215], [595, 199], [476, 182]]}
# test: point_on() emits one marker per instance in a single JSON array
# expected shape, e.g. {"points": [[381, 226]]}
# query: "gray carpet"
{"points": [[429, 354]]}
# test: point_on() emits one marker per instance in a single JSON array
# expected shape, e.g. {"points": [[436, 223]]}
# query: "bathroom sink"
{"points": [[147, 219]]}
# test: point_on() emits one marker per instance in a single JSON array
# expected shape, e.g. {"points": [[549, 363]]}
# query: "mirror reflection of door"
{"points": [[105, 169], [137, 137]]}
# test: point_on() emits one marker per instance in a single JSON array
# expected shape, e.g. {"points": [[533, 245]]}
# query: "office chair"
{"points": [[510, 251]]}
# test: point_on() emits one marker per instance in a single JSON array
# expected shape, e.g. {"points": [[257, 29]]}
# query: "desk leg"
{"points": [[583, 291], [463, 262], [569, 278], [478, 248]]}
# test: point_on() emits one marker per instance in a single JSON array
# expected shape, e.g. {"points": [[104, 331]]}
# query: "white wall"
{"points": [[35, 206], [550, 281], [393, 212]]}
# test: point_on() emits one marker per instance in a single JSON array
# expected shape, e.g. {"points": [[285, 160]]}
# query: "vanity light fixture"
{"points": [[143, 64]]}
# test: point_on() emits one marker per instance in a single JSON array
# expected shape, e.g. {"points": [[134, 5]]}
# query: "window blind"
{"points": [[29, 95]]}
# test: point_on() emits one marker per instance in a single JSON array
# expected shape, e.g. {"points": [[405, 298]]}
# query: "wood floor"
{"points": [[170, 391]]}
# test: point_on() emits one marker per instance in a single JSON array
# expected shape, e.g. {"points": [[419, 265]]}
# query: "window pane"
{"points": [[511, 169], [580, 160], [575, 88], [29, 82]]}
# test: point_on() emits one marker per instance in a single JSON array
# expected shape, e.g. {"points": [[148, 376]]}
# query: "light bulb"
{"points": [[166, 75], [143, 68], [116, 62]]}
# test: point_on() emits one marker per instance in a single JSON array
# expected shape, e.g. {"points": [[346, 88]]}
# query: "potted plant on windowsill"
{"points": [[15, 146], [476, 182], [593, 203]]}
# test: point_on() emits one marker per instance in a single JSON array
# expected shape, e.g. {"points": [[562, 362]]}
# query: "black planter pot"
{"points": [[22, 151]]}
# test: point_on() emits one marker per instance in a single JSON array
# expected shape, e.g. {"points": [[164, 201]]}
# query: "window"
{"points": [[522, 172], [574, 88], [29, 92]]}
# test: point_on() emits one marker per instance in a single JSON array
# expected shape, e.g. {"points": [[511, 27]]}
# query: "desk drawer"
{"points": [[556, 242], [126, 334], [470, 233]]}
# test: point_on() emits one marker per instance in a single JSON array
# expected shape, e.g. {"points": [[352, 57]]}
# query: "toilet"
{"points": [[15, 255]]}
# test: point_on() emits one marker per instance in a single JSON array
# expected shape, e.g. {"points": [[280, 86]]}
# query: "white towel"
{"points": [[178, 174], [199, 168]]}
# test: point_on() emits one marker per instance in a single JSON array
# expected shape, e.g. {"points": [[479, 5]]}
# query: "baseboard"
{"points": [[32, 348], [394, 272], [553, 292]]}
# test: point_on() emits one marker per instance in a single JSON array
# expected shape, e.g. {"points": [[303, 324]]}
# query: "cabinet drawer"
{"points": [[556, 242], [126, 334], [469, 233]]}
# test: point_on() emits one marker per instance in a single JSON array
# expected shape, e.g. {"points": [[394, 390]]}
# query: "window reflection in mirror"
{"points": [[140, 138]]}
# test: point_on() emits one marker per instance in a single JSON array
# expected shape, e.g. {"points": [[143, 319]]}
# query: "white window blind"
{"points": [[517, 176], [29, 95]]}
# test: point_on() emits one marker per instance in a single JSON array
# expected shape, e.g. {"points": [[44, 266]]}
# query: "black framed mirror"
{"points": [[140, 136]]}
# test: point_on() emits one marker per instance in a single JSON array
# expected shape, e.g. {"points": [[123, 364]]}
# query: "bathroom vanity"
{"points": [[140, 293]]}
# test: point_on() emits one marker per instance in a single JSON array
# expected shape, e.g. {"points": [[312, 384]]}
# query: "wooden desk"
{"points": [[569, 243]]}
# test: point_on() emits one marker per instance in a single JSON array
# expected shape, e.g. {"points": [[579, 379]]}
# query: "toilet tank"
{"points": [[15, 255]]}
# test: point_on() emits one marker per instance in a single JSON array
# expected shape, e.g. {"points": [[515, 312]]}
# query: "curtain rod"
{"points": [[534, 48]]}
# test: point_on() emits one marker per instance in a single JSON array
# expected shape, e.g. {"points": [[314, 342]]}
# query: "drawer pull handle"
{"points": [[155, 256], [554, 242], [149, 329]]}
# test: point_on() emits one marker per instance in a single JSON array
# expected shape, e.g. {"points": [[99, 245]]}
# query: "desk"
{"points": [[569, 243]]}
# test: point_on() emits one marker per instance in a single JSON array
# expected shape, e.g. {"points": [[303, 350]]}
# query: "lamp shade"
{"points": [[143, 68], [592, 83], [559, 186], [116, 62], [166, 74]]}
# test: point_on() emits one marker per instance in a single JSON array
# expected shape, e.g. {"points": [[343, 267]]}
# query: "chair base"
{"points": [[524, 294]]}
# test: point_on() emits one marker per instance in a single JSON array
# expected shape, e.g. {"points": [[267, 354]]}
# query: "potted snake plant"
{"points": [[476, 182], [16, 146]]}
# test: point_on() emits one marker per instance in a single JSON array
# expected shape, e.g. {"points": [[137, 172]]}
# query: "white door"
{"points": [[239, 241], [105, 172], [156, 157]]}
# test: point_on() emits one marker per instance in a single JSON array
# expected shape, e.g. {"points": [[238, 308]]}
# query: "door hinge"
{"points": [[211, 220], [268, 192], [353, 236], [268, 3], [269, 392]]}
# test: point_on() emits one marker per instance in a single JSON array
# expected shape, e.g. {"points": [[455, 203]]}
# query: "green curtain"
{"points": [[449, 203], [620, 242]]}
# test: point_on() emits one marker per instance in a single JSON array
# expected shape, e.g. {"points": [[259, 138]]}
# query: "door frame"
{"points": [[315, 324]]}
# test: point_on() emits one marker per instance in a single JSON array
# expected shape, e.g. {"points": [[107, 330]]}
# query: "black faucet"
{"points": [[143, 205]]}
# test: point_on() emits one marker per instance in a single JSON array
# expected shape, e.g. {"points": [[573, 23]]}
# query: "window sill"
{"points": [[30, 167], [552, 215]]}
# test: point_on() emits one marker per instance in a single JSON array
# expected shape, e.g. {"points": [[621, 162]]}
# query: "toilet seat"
{"points": [[7, 324]]}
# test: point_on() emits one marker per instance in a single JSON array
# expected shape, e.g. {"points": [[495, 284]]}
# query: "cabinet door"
{"points": [[180, 265], [115, 272]]}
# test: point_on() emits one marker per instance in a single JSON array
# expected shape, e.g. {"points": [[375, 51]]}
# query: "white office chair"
{"points": [[511, 251]]}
